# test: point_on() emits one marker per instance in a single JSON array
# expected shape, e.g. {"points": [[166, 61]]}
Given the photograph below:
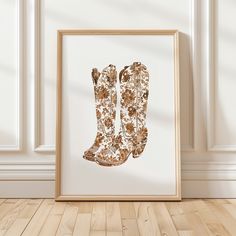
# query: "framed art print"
{"points": [[118, 115]]}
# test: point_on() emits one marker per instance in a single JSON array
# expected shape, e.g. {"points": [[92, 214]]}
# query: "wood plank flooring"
{"points": [[44, 217]]}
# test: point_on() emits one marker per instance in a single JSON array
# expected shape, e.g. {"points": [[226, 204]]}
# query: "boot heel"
{"points": [[138, 150], [136, 154]]}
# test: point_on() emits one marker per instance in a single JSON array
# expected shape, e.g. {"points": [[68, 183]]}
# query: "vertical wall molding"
{"points": [[194, 45], [20, 75], [20, 71], [38, 146], [210, 75], [211, 78]]}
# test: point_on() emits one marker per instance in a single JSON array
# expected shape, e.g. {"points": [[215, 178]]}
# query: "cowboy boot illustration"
{"points": [[104, 84], [132, 136]]}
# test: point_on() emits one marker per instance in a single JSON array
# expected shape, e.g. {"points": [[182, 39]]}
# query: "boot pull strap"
{"points": [[121, 72], [95, 75]]}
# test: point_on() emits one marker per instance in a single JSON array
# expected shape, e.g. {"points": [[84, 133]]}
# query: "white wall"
{"points": [[28, 86]]}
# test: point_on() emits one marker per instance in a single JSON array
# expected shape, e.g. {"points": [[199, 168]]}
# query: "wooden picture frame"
{"points": [[65, 40]]}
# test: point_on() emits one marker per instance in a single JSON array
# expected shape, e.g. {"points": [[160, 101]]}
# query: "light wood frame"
{"points": [[58, 195]]}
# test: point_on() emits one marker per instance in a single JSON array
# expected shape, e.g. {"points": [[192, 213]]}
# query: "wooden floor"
{"points": [[45, 217]]}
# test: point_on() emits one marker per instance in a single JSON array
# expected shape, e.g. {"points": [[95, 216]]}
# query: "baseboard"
{"points": [[209, 189], [45, 189], [199, 180], [27, 189], [27, 171]]}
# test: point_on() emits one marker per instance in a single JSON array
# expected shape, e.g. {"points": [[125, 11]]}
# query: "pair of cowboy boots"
{"points": [[109, 149]]}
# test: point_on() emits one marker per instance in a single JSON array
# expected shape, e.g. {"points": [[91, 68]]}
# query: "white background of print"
{"points": [[154, 172]]}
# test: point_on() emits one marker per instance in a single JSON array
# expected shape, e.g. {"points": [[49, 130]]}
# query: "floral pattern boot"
{"points": [[132, 136], [104, 84]]}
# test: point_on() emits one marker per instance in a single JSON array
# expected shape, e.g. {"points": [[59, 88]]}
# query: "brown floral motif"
{"points": [[114, 99], [140, 136], [105, 111], [128, 97], [123, 154], [98, 114], [121, 74], [108, 122], [131, 111], [137, 68], [117, 142], [102, 93], [145, 95], [119, 139], [145, 107], [143, 133], [98, 139], [113, 115], [126, 76], [112, 78], [129, 128]]}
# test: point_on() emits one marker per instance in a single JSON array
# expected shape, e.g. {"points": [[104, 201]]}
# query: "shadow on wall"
{"points": [[186, 85], [145, 7], [74, 88], [223, 128], [186, 88], [11, 72], [7, 138], [136, 11]]}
